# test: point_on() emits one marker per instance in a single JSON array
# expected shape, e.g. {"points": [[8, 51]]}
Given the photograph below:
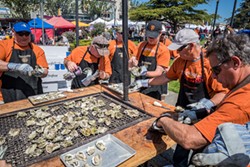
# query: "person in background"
{"points": [[22, 65], [229, 59], [217, 32], [94, 57], [199, 91], [153, 55], [166, 41], [116, 56]]}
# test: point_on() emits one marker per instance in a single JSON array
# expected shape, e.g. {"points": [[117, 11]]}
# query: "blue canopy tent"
{"points": [[36, 29], [245, 31]]}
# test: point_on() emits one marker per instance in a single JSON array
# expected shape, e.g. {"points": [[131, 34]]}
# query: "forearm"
{"points": [[159, 80], [185, 135], [217, 98], [3, 65], [158, 72]]}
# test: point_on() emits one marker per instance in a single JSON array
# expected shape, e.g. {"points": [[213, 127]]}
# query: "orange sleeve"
{"points": [[235, 108], [112, 49], [105, 65], [175, 70], [40, 56], [6, 49], [77, 54], [132, 48], [140, 47], [163, 56]]}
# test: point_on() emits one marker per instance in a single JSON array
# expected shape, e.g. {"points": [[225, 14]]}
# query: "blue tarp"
{"points": [[246, 31], [37, 23]]}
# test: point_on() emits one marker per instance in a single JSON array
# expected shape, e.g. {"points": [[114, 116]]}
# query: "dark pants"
{"points": [[180, 157]]}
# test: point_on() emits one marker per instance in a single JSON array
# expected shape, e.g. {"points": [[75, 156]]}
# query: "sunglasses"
{"points": [[101, 45], [22, 33], [182, 47], [217, 69]]}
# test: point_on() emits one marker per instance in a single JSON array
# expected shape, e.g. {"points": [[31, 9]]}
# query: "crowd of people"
{"points": [[214, 81]]}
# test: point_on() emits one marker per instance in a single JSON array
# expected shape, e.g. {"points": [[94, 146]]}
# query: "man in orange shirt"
{"points": [[116, 54], [93, 57], [198, 89], [229, 59], [156, 55], [19, 59]]}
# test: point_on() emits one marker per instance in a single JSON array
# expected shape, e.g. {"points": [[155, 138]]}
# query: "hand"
{"points": [[139, 84], [69, 76], [203, 103], [139, 71], [132, 62], [24, 69], [187, 116], [38, 71], [154, 126]]}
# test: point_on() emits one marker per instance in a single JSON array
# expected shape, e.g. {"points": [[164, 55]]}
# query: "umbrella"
{"points": [[80, 24]]}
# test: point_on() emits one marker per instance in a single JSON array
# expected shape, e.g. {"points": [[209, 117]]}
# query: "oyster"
{"points": [[42, 144], [37, 152], [107, 121], [90, 150], [52, 147], [132, 113], [30, 122], [96, 160], [2, 140], [31, 149], [81, 156], [14, 132], [101, 129], [68, 157], [86, 131], [100, 145], [54, 108], [58, 138], [65, 131], [40, 130], [32, 135], [66, 143], [21, 114], [74, 163]]}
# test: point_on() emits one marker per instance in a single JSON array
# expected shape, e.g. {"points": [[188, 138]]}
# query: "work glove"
{"points": [[203, 103], [2, 151], [71, 75], [190, 116], [86, 81], [139, 84], [38, 71], [24, 69], [139, 71], [154, 127]]}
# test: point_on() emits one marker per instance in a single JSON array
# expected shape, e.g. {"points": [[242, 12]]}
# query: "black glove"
{"points": [[189, 116], [154, 127]]}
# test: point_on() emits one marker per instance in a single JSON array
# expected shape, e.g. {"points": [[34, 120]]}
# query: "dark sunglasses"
{"points": [[182, 47], [101, 45], [217, 69], [23, 33]]}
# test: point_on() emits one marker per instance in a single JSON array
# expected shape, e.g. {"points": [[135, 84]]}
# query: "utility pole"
{"points": [[215, 14], [77, 24], [41, 14], [232, 18]]}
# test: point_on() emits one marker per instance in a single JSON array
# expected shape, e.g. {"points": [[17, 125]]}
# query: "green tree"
{"points": [[175, 12], [51, 6], [96, 8], [242, 16]]}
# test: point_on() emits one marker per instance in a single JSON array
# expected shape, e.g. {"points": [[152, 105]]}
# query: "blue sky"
{"points": [[225, 8]]}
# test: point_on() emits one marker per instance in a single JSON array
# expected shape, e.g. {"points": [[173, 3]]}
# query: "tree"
{"points": [[96, 8], [175, 12], [241, 19], [51, 6]]}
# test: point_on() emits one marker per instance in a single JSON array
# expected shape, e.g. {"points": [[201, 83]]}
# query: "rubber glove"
{"points": [[86, 81], [139, 71], [24, 69], [203, 103], [139, 84]]}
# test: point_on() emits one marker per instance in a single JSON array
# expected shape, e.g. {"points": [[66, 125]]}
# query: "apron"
{"points": [[192, 92], [153, 91], [117, 66], [16, 86], [76, 82]]}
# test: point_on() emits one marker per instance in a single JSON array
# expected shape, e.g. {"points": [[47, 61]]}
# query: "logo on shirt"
{"points": [[152, 27], [24, 58]]}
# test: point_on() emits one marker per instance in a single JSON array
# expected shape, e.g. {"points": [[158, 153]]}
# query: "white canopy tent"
{"points": [[99, 20]]}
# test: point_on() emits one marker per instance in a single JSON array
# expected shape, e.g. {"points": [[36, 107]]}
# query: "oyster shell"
{"points": [[96, 160], [32, 135], [31, 149], [74, 163], [52, 147], [66, 143], [2, 140], [21, 114], [14, 132], [81, 156], [68, 157], [132, 113], [90, 150], [100, 145]]}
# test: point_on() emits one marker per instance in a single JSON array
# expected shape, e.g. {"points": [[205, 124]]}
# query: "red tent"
{"points": [[59, 22]]}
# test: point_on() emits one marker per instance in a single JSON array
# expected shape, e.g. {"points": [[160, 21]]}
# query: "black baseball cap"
{"points": [[153, 29]]}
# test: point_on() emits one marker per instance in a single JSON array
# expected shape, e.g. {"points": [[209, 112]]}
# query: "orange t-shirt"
{"points": [[132, 48], [173, 53], [162, 57], [6, 52], [77, 54], [193, 72], [235, 108]]}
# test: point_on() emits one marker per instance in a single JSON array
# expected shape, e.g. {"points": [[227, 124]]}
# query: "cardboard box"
{"points": [[49, 87], [54, 76]]}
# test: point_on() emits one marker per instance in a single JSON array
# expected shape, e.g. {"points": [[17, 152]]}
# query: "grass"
{"points": [[174, 86]]}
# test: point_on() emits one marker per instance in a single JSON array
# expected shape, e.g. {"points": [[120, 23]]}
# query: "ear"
{"points": [[236, 62]]}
